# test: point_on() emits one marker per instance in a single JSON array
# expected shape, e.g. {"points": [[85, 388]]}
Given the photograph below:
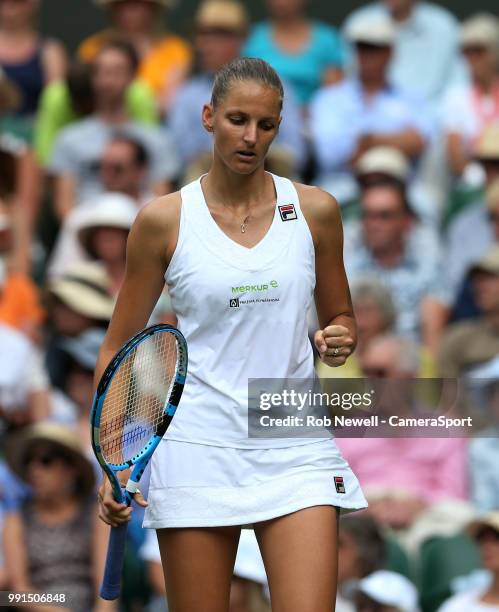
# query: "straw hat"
{"points": [[109, 210], [63, 439], [226, 14], [487, 147], [481, 30], [85, 289], [162, 3], [488, 262], [384, 160]]}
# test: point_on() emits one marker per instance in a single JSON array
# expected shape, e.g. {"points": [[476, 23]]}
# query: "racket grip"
{"points": [[111, 584]]}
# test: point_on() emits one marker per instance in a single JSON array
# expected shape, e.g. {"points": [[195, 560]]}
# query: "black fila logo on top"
{"points": [[339, 484], [288, 212]]}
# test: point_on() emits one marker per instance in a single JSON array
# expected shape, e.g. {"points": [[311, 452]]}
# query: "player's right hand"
{"points": [[110, 511]]}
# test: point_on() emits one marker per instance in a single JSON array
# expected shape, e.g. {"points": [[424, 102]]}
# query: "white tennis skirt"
{"points": [[196, 485]]}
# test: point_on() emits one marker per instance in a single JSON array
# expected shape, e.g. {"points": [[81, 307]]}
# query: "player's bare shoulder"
{"points": [[320, 209], [157, 224]]}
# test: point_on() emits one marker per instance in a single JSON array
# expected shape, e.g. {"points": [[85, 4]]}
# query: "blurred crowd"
{"points": [[396, 113]]}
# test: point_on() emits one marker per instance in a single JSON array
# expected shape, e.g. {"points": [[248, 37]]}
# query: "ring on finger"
{"points": [[336, 350]]}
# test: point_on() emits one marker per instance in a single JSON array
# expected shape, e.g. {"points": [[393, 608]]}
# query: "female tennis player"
{"points": [[243, 253]]}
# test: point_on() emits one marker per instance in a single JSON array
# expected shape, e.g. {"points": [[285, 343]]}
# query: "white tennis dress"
{"points": [[243, 313]]}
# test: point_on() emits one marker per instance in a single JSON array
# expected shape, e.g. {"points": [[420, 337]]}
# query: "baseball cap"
{"points": [[490, 520], [226, 14], [373, 31], [384, 160], [487, 146], [488, 262], [480, 30], [390, 589]]}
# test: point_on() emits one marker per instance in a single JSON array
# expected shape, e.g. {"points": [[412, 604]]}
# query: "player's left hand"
{"points": [[335, 344]]}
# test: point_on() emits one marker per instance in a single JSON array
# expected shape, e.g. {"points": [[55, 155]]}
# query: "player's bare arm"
{"points": [[336, 339]]}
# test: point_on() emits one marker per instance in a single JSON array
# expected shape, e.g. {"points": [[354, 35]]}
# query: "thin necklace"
{"points": [[244, 224]]}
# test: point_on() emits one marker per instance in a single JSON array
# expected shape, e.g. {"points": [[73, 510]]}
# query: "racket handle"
{"points": [[111, 584]]}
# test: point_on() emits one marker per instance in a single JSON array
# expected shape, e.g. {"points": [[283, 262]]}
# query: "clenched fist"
{"points": [[335, 344]]}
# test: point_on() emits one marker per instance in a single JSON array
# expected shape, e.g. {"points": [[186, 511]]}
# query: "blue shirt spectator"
{"points": [[387, 246], [336, 135], [424, 30], [304, 71]]}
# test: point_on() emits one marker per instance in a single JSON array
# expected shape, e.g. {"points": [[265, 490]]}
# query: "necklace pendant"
{"points": [[243, 228]]}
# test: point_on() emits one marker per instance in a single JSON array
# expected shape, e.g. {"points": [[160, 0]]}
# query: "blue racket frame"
{"points": [[111, 584]]}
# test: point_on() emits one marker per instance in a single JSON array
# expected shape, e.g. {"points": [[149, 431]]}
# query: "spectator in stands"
{"points": [[79, 147], [469, 108], [482, 384], [19, 175], [402, 477], [306, 53], [387, 247], [55, 542], [369, 111], [67, 101], [72, 402], [478, 215], [113, 211], [19, 297], [422, 28], [385, 591], [485, 531], [103, 233], [77, 301], [221, 27], [375, 315], [165, 58], [484, 219], [29, 60], [469, 343], [123, 169], [361, 551], [24, 387]]}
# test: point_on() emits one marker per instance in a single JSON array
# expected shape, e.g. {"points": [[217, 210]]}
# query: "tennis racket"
{"points": [[133, 407]]}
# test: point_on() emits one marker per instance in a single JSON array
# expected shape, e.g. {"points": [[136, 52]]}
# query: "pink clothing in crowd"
{"points": [[429, 468]]}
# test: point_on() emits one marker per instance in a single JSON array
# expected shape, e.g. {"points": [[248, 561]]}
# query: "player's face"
{"points": [[244, 124]]}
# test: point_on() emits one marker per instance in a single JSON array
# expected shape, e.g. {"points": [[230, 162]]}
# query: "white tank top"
{"points": [[243, 313]]}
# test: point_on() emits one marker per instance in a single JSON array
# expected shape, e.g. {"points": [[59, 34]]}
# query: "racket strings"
{"points": [[136, 398]]}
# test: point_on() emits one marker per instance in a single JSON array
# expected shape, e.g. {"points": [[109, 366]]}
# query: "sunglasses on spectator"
{"points": [[381, 215], [493, 217], [474, 50], [47, 459]]}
